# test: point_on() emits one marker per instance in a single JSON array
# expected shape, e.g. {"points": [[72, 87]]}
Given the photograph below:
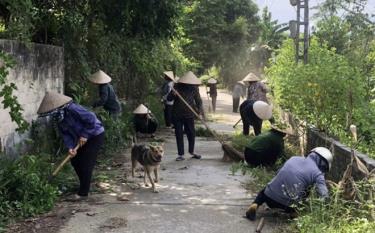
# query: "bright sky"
{"points": [[283, 11]]}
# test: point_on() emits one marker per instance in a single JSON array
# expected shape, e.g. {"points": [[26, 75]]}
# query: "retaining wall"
{"points": [[39, 68], [342, 153]]}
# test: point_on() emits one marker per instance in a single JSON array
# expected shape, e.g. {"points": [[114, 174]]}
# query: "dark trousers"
{"points": [[263, 198], [236, 103], [247, 121], [213, 98], [187, 125], [168, 114], [254, 158], [84, 162]]}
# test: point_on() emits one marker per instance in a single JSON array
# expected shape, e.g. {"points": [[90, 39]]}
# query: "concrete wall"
{"points": [[39, 68], [342, 153]]}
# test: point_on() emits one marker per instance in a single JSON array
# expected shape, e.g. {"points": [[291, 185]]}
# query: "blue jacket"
{"points": [[78, 122], [295, 178]]}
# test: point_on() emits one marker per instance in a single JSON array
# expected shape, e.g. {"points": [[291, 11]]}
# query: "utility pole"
{"points": [[301, 41]]}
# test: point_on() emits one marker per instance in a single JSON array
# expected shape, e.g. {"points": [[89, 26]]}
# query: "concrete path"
{"points": [[194, 195]]}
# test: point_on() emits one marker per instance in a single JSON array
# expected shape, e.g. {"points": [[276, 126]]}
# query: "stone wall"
{"points": [[342, 153], [39, 68]]}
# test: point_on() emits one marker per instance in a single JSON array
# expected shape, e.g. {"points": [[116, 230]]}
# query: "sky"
{"points": [[283, 11]]}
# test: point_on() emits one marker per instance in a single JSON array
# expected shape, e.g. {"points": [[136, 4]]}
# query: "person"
{"points": [[107, 96], [166, 89], [239, 90], [256, 89], [144, 121], [293, 181], [262, 150], [213, 92], [253, 113], [183, 117], [76, 126]]}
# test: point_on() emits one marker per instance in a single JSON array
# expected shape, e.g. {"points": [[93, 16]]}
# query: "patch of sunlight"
{"points": [[183, 211]]}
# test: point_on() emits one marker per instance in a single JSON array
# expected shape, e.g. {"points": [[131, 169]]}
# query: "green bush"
{"points": [[337, 215], [24, 187], [118, 132], [328, 93]]}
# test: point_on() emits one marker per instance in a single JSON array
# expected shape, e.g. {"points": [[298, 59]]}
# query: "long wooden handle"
{"points": [[260, 225], [234, 126], [67, 158], [197, 115]]}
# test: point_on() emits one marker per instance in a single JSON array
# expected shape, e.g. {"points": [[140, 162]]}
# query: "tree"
{"points": [[220, 33]]}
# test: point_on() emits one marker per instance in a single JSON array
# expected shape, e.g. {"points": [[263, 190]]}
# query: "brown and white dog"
{"points": [[150, 158]]}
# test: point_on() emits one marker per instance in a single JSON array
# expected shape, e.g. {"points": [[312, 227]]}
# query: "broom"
{"points": [[229, 151]]}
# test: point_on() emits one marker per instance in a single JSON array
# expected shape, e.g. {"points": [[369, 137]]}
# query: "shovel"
{"points": [[61, 165]]}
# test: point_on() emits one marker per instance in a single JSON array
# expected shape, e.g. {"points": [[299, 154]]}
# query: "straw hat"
{"points": [[241, 82], [169, 74], [262, 110], [100, 78], [283, 128], [141, 109], [251, 78], [212, 81], [51, 101], [190, 78]]}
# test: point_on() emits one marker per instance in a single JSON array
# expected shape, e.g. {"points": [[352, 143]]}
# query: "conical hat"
{"points": [[251, 78], [169, 74], [262, 110], [141, 109], [100, 78], [51, 101], [212, 81], [241, 82], [190, 78], [283, 129]]}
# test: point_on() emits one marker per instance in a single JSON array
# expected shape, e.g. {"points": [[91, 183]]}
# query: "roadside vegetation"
{"points": [[135, 41]]}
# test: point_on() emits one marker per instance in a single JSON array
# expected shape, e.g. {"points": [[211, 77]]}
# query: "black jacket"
{"points": [[191, 95], [108, 99]]}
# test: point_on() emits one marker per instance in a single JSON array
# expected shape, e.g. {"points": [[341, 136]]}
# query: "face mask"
{"points": [[58, 115]]}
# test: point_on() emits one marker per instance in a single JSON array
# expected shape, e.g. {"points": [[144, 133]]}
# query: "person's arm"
{"points": [[103, 95], [198, 100], [87, 119], [68, 139], [171, 96], [321, 186]]}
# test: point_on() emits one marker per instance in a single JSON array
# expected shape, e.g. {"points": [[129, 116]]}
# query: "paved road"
{"points": [[195, 195]]}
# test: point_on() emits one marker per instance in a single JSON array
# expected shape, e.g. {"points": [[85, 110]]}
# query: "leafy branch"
{"points": [[6, 91]]}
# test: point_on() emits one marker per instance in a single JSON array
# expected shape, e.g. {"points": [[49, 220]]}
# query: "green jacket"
{"points": [[270, 143]]}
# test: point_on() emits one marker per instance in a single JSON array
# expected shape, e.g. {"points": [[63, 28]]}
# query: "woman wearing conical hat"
{"points": [[256, 89], [76, 126], [263, 149], [212, 83], [253, 113], [183, 118], [107, 96], [166, 89], [144, 121]]}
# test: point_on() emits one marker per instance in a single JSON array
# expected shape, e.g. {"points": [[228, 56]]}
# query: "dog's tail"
{"points": [[134, 140]]}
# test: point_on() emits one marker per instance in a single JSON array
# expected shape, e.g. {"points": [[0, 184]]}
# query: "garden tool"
{"points": [[234, 126], [260, 226], [61, 165], [216, 136], [209, 101]]}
